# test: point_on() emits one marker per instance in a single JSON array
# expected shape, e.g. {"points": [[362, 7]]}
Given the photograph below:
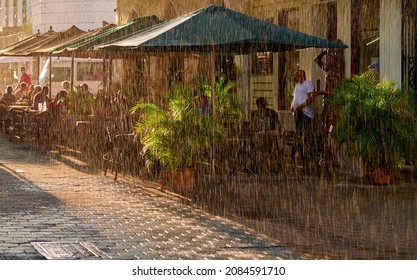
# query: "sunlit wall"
{"points": [[371, 29], [63, 14]]}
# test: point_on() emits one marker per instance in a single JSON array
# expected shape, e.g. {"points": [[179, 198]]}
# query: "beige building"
{"points": [[22, 18], [381, 35]]}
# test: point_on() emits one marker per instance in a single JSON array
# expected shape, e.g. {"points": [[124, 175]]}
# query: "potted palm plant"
{"points": [[376, 122], [174, 135], [226, 101]]}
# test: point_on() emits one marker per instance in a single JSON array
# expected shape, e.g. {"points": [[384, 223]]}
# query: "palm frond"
{"points": [[376, 120]]}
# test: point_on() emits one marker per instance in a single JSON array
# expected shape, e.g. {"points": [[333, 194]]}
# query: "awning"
{"points": [[43, 44], [20, 48], [15, 59], [83, 44], [40, 44], [211, 27], [58, 39], [221, 28], [76, 42]]}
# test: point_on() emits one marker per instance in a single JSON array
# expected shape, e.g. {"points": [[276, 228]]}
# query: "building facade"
{"points": [[14, 21], [381, 35], [22, 18], [32, 16], [63, 14], [14, 13]]}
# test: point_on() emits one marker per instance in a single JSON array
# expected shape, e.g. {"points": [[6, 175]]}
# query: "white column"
{"points": [[28, 12], [19, 12], [10, 13], [2, 13], [390, 41]]}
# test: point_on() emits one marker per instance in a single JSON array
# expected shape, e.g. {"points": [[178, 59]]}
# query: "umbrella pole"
{"points": [[38, 67], [213, 78], [72, 72], [50, 77], [213, 103]]}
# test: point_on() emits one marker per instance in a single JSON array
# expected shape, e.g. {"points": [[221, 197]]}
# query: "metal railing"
{"points": [[409, 72]]}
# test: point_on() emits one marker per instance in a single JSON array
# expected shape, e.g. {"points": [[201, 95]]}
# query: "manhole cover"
{"points": [[69, 250]]}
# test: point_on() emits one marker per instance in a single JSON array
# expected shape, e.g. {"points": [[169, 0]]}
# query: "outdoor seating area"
{"points": [[108, 141], [112, 134], [18, 120]]}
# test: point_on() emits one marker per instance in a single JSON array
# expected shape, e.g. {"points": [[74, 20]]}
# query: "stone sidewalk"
{"points": [[44, 200]]}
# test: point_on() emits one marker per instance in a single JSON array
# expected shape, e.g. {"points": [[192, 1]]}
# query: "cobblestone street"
{"points": [[44, 200]]}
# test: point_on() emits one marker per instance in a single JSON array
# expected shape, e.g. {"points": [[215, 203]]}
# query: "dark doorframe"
{"points": [[409, 44], [356, 35], [282, 61]]}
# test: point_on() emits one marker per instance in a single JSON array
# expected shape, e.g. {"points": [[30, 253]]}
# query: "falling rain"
{"points": [[294, 118]]}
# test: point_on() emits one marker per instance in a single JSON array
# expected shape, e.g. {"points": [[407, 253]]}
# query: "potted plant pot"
{"points": [[379, 176], [183, 180]]}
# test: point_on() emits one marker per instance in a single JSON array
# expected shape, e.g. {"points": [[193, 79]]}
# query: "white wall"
{"points": [[7, 15], [390, 42], [2, 14], [63, 14]]}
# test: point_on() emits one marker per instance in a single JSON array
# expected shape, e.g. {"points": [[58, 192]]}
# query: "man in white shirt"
{"points": [[303, 110]]}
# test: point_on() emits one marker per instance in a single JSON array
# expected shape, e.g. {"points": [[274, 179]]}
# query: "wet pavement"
{"points": [[291, 215], [323, 217], [45, 200]]}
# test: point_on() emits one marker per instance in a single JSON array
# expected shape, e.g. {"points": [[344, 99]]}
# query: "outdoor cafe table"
{"points": [[268, 142], [19, 106], [20, 119], [267, 153], [257, 151]]}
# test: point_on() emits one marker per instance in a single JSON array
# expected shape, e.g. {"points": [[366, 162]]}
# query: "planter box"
{"points": [[379, 176]]}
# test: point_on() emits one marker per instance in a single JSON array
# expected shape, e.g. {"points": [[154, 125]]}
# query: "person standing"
{"points": [[303, 109], [24, 78], [334, 66], [333, 63]]}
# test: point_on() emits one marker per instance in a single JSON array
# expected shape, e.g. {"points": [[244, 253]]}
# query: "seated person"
{"points": [[21, 91], [41, 98], [58, 102], [103, 104], [203, 106], [264, 119], [36, 89], [66, 85], [8, 96]]}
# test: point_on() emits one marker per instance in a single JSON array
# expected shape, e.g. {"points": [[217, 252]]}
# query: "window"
{"points": [[60, 74], [262, 63], [365, 35], [89, 71]]}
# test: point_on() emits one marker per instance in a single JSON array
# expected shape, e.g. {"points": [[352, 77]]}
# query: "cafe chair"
{"points": [[120, 154], [15, 122], [244, 152], [3, 116]]}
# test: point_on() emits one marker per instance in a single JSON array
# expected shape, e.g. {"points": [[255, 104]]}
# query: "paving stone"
{"points": [[126, 220]]}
